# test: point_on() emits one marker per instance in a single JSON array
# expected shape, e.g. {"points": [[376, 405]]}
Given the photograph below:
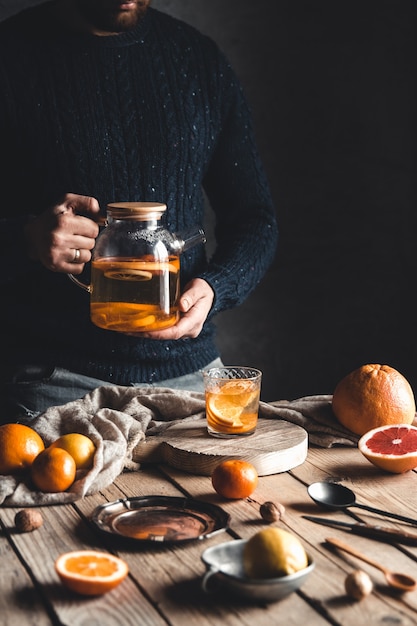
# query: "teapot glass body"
{"points": [[135, 269]]}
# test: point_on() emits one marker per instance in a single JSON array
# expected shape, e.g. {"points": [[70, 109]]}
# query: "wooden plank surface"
{"points": [[19, 603], [180, 595], [164, 585], [326, 585]]}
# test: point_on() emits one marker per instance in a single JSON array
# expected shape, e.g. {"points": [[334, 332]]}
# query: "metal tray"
{"points": [[160, 519]]}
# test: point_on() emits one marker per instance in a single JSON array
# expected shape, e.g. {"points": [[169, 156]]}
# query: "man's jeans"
{"points": [[35, 390]]}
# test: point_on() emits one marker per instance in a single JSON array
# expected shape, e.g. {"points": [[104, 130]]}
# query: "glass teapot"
{"points": [[135, 269]]}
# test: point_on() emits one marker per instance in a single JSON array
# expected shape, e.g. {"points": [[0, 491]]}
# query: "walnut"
{"points": [[358, 584], [28, 520], [271, 512]]}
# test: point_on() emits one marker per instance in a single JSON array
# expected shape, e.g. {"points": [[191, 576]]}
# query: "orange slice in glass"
{"points": [[240, 391], [225, 412]]}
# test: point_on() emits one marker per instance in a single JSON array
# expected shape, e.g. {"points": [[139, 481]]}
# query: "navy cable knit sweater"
{"points": [[155, 114]]}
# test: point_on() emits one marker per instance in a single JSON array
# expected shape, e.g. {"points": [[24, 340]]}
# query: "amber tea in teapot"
{"points": [[118, 302], [135, 269]]}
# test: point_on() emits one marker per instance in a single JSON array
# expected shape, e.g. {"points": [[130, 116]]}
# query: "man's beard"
{"points": [[106, 15]]}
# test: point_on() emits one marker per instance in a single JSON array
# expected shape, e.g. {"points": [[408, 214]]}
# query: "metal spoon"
{"points": [[399, 581], [336, 496]]}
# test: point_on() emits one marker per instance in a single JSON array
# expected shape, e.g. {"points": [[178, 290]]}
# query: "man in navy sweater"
{"points": [[107, 101]]}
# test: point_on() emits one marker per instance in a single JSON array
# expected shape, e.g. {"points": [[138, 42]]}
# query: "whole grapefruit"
{"points": [[371, 396]]}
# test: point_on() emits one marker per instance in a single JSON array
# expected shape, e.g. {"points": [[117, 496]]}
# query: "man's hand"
{"points": [[195, 304], [60, 238]]}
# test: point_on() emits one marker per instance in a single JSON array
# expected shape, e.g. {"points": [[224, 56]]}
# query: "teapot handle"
{"points": [[79, 283], [205, 580], [102, 222]]}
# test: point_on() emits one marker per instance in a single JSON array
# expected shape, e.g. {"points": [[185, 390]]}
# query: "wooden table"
{"points": [[164, 586]]}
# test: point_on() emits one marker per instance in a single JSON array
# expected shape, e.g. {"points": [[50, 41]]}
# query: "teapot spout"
{"points": [[190, 237]]}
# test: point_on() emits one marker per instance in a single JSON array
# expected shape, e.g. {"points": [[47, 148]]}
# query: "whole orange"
{"points": [[234, 479], [371, 396], [19, 445], [53, 470], [80, 447]]}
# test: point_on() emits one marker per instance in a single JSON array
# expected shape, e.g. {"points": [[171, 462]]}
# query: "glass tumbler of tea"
{"points": [[232, 400]]}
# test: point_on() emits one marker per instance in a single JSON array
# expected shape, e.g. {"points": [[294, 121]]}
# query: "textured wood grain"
{"points": [[164, 585], [276, 446]]}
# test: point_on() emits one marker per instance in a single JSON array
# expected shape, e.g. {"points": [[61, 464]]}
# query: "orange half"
{"points": [[89, 572]]}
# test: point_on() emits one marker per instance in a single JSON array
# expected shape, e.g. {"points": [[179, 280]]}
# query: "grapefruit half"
{"points": [[392, 448]]}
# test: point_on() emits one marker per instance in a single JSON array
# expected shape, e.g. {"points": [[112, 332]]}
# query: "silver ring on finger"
{"points": [[77, 255]]}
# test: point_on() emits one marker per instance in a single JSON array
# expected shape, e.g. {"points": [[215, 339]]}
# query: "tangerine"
{"points": [[80, 447], [371, 396], [53, 470], [392, 448], [234, 479], [19, 445], [89, 572]]}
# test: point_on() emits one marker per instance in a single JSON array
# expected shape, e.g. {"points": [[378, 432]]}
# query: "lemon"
{"points": [[272, 553], [79, 446]]}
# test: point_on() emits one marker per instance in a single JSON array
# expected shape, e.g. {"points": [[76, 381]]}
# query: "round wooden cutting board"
{"points": [[276, 446]]}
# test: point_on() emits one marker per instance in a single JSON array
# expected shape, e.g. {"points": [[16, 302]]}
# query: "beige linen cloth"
{"points": [[119, 418]]}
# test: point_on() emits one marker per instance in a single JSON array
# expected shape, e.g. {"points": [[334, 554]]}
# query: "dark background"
{"points": [[332, 86]]}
